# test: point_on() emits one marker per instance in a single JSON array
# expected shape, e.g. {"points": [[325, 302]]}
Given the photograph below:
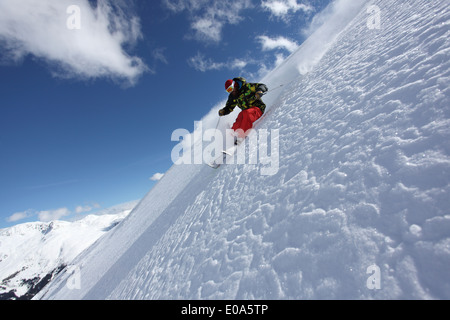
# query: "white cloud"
{"points": [[277, 43], [158, 55], [50, 215], [157, 176], [210, 17], [40, 28], [19, 216], [208, 29], [238, 64], [281, 8], [86, 208], [200, 63]]}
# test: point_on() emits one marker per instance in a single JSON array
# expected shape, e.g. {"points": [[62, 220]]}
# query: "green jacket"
{"points": [[245, 98]]}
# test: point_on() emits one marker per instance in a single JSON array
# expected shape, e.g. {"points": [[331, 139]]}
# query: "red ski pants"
{"points": [[246, 119]]}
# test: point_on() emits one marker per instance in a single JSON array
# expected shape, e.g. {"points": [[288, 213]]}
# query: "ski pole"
{"points": [[281, 86], [217, 125]]}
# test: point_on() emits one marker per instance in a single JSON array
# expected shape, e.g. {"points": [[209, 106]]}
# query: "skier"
{"points": [[246, 96]]}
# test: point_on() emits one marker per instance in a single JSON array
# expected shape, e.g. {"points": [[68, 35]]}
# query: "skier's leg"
{"points": [[237, 124], [246, 119]]}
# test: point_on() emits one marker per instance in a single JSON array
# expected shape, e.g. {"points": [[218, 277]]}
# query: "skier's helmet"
{"points": [[229, 86], [239, 82]]}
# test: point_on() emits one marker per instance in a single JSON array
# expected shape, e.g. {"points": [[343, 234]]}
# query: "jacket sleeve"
{"points": [[230, 105], [262, 87], [253, 89]]}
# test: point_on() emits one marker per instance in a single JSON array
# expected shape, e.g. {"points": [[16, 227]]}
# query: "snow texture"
{"points": [[359, 208]]}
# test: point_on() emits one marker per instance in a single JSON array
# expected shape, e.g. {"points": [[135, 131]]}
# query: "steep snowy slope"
{"points": [[32, 253], [358, 208]]}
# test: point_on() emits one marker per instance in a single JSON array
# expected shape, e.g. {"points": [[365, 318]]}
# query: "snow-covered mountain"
{"points": [[358, 207], [31, 254]]}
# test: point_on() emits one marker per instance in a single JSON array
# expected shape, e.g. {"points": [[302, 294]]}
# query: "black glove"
{"points": [[258, 95]]}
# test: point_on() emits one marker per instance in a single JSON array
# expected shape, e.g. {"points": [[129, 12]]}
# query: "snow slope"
{"points": [[359, 206], [32, 251]]}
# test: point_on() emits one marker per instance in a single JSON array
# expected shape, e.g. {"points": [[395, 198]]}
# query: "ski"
{"points": [[216, 164], [225, 153]]}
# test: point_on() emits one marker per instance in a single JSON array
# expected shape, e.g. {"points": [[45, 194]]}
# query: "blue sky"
{"points": [[89, 98]]}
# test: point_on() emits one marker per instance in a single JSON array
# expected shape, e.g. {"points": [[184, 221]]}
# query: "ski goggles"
{"points": [[230, 88]]}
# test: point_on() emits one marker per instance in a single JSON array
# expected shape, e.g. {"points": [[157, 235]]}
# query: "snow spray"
{"points": [[204, 146]]}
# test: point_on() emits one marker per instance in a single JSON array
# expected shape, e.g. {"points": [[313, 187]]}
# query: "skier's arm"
{"points": [[229, 107], [260, 90]]}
